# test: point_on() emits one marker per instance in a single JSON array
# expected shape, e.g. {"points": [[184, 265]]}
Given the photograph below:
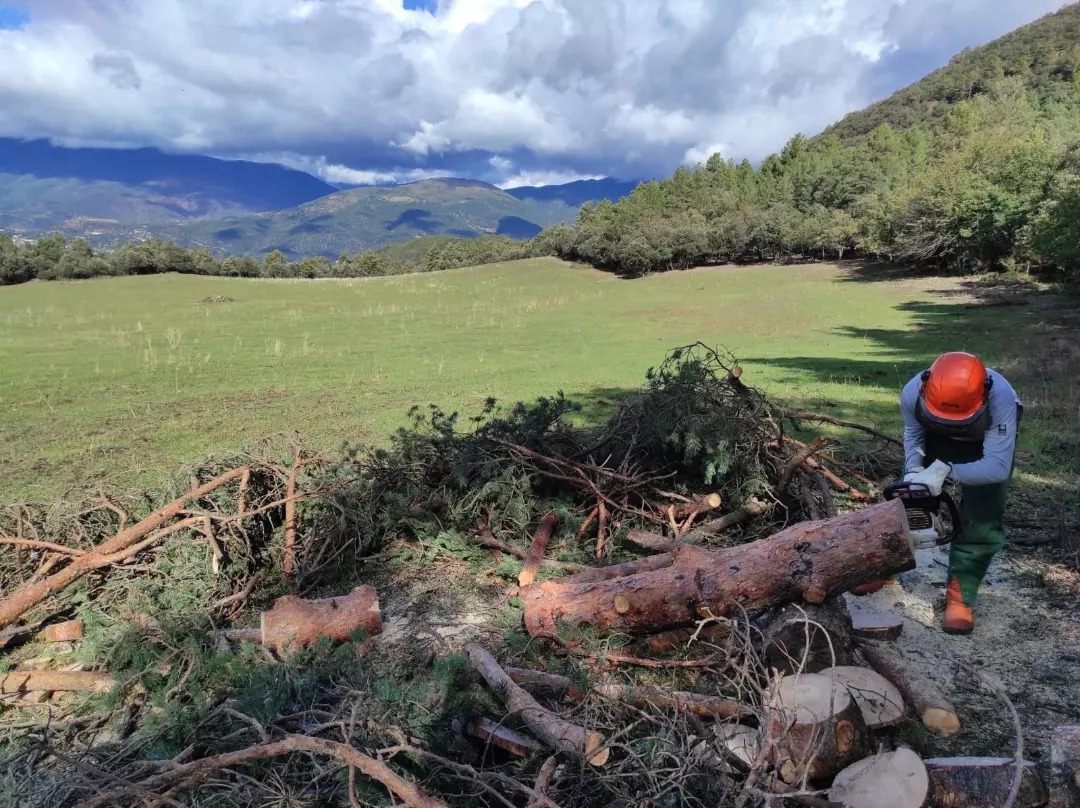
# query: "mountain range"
{"points": [[109, 196]]}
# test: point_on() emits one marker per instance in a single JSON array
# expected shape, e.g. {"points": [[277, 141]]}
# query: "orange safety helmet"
{"points": [[954, 395]]}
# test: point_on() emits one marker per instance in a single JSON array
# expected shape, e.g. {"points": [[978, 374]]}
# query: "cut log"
{"points": [[84, 681], [742, 743], [69, 631], [811, 561], [881, 703], [1065, 767], [982, 782], [808, 638], [535, 557], [891, 780], [933, 709], [544, 724], [298, 623], [867, 624], [817, 726], [547, 685], [754, 509], [700, 504]]}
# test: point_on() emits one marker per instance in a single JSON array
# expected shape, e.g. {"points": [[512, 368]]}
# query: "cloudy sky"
{"points": [[511, 91]]}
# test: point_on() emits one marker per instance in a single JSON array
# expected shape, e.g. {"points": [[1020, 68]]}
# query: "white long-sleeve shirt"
{"points": [[999, 443]]}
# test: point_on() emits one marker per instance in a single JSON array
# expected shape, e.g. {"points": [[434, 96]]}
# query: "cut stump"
{"points": [[891, 780], [818, 727], [808, 638], [982, 782], [881, 703]]}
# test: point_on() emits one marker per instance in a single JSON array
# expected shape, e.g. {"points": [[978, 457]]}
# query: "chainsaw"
{"points": [[934, 521]]}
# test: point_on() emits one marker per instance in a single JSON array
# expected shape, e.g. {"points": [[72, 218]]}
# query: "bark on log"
{"points": [[503, 737], [69, 631], [84, 681], [652, 541], [544, 724], [881, 702], [296, 623], [817, 726], [118, 548], [811, 561], [895, 779], [1065, 767], [547, 685], [933, 709], [535, 556], [808, 638], [982, 782]]}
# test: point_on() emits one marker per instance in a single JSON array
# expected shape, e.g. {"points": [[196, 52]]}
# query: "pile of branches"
{"points": [[164, 585], [694, 453]]}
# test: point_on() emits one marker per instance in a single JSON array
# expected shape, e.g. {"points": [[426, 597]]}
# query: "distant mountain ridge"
{"points": [[109, 196], [369, 217], [43, 186]]}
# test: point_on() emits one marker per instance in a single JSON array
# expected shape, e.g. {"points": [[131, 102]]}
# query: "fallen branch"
{"points": [[535, 556], [34, 544], [828, 419], [543, 781], [186, 775], [797, 460], [503, 737], [123, 545], [561, 688], [544, 724], [83, 681], [934, 710], [711, 528], [485, 538]]}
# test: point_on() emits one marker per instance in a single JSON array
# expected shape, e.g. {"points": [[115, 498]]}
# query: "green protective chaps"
{"points": [[982, 517]]}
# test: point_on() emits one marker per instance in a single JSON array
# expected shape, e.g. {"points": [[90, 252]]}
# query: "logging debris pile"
{"points": [[227, 641]]}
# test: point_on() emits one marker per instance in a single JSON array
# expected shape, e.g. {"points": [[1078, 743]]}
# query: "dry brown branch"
{"points": [[123, 545], [601, 530], [607, 657], [713, 527], [185, 776], [33, 544], [485, 538], [543, 780], [288, 561], [544, 724], [797, 460], [535, 555], [26, 681], [828, 419]]}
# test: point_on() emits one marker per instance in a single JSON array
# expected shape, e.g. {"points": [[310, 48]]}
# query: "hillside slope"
{"points": [[369, 217], [1044, 55], [976, 167], [43, 187]]}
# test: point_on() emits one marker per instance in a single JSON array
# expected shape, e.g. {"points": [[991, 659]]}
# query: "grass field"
{"points": [[125, 379]]}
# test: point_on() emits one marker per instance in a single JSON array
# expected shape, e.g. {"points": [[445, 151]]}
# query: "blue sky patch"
{"points": [[13, 17], [416, 5]]}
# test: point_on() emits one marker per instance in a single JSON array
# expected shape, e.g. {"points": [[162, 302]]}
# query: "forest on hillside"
{"points": [[976, 167]]}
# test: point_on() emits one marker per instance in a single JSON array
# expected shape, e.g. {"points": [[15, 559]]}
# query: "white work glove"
{"points": [[912, 472], [933, 478]]}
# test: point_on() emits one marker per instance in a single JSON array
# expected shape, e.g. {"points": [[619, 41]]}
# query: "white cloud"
{"points": [[539, 178], [577, 86], [343, 174]]}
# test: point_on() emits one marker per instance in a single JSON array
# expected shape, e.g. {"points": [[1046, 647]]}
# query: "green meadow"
{"points": [[123, 380]]}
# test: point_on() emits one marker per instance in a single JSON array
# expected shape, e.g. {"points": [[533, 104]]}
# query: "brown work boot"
{"points": [[873, 586], [958, 619]]}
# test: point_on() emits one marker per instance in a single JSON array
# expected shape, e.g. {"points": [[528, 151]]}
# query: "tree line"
{"points": [[52, 257], [992, 183]]}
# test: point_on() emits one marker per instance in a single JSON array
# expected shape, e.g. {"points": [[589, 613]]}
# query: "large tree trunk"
{"points": [[980, 782], [811, 561]]}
